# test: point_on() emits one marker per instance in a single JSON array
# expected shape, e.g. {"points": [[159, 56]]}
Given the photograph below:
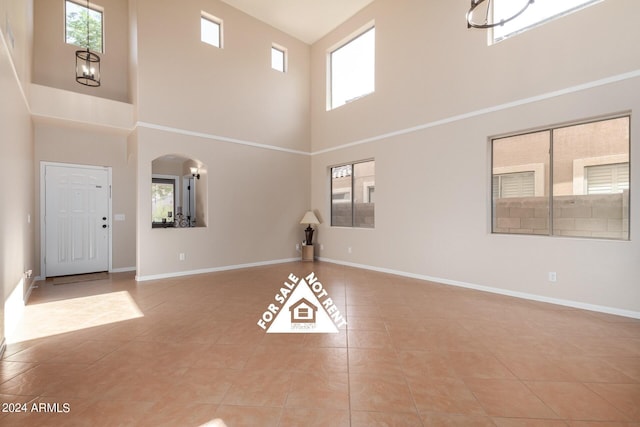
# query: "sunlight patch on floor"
{"points": [[59, 317], [214, 423]]}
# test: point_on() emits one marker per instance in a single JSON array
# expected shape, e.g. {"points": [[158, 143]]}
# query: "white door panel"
{"points": [[76, 220]]}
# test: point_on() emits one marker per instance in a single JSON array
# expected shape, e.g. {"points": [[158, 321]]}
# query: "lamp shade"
{"points": [[309, 218]]}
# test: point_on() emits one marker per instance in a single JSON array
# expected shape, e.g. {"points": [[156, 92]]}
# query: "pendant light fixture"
{"points": [[87, 62], [482, 15]]}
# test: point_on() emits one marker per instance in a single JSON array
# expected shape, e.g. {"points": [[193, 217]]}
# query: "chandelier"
{"points": [[481, 14], [87, 63]]}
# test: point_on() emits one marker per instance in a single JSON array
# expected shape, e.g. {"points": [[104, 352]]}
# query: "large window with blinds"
{"points": [[571, 180]]}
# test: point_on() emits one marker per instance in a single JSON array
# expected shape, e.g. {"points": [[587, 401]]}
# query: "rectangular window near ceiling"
{"points": [[278, 58], [539, 12], [352, 195], [81, 21], [211, 30], [564, 181], [163, 202], [352, 69]]}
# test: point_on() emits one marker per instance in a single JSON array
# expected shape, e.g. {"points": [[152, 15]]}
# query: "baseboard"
{"points": [[113, 270], [212, 270], [31, 283], [122, 270], [567, 303]]}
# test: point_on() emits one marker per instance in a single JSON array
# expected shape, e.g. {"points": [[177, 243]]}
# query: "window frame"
{"points": [[205, 16], [366, 188], [166, 179], [92, 8], [521, 29], [549, 186], [365, 29], [283, 51]]}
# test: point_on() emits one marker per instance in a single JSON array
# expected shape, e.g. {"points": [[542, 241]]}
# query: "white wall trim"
{"points": [[122, 270], [213, 269], [43, 118], [218, 138], [447, 120], [31, 286], [523, 295], [14, 305], [488, 110]]}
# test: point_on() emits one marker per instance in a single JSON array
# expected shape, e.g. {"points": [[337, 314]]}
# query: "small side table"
{"points": [[307, 252]]}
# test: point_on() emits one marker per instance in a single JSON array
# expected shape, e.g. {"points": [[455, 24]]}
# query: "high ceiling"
{"points": [[306, 20]]}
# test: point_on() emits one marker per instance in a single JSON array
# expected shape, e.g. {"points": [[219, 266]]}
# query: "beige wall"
{"points": [[256, 198], [440, 95], [83, 145], [230, 92], [54, 59], [229, 101], [431, 67], [16, 158]]}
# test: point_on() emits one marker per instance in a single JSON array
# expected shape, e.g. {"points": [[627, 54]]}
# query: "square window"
{"points": [[278, 58], [211, 30], [82, 22], [352, 69]]}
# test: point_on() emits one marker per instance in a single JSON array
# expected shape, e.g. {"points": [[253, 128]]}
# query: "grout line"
{"points": [[346, 340]]}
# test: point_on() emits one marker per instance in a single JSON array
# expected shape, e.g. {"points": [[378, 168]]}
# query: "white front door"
{"points": [[76, 220]]}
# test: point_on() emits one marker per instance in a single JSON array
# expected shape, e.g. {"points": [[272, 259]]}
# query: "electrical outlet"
{"points": [[553, 277]]}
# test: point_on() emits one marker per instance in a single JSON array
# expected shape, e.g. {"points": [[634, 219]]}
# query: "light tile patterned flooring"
{"points": [[187, 352]]}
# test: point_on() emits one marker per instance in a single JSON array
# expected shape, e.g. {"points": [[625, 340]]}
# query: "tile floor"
{"points": [[188, 352]]}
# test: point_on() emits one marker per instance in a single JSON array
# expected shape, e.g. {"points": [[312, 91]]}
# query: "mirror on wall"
{"points": [[177, 192]]}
